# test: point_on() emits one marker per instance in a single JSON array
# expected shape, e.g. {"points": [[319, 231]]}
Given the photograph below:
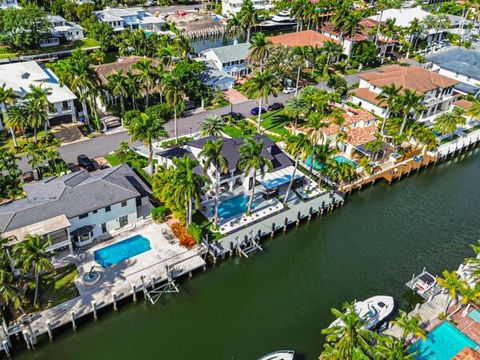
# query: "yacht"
{"points": [[281, 20], [279, 355], [372, 311]]}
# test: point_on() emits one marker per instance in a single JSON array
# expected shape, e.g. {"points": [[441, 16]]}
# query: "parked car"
{"points": [[289, 90], [255, 111], [275, 106], [85, 162], [235, 115]]}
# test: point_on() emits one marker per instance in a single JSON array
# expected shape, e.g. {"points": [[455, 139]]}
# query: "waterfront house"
{"points": [[301, 39], [231, 59], [130, 18], [76, 208], [282, 165], [63, 31], [19, 76], [217, 79], [460, 64], [437, 89], [233, 7]]}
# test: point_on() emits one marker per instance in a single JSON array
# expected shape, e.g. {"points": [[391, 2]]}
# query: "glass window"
{"points": [[108, 208], [83, 216], [124, 203], [104, 228], [123, 221]]}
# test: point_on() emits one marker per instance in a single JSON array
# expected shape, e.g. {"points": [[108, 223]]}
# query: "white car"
{"points": [[289, 90]]}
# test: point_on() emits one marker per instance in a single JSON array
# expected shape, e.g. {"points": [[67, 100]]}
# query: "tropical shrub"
{"points": [[159, 213], [183, 235], [196, 231]]}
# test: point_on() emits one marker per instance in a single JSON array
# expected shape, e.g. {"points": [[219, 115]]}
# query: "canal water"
{"points": [[281, 298]]}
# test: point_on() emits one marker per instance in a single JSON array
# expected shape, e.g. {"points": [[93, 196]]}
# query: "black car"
{"points": [[275, 106], [85, 162], [235, 115]]}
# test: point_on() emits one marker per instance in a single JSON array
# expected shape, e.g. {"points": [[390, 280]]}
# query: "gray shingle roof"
{"points": [[460, 60], [231, 52], [72, 194]]}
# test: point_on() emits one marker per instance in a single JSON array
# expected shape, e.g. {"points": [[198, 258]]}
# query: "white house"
{"points": [[233, 7], [231, 59], [63, 31], [437, 89], [130, 18], [76, 208], [5, 4], [20, 76], [215, 78]]}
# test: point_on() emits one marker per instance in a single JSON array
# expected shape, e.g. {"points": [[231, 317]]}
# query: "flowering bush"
{"points": [[183, 235]]}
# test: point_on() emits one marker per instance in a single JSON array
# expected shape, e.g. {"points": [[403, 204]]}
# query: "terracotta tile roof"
{"points": [[362, 135], [124, 64], [361, 34], [353, 115], [467, 354], [411, 77], [464, 104], [367, 95], [301, 38]]}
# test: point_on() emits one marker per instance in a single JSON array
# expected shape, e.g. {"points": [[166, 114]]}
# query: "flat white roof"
{"points": [[19, 76], [403, 17], [40, 228]]}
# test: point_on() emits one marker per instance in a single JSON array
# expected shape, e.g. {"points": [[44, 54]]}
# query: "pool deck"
{"points": [[118, 281], [466, 324]]}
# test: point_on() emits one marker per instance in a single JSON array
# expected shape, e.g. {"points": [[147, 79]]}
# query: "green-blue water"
{"points": [[281, 298]]}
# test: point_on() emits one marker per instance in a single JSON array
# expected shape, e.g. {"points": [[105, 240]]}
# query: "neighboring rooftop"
{"points": [[403, 16], [459, 60], [125, 64], [464, 104], [409, 77], [362, 135], [301, 38], [71, 195], [367, 95], [231, 53]]}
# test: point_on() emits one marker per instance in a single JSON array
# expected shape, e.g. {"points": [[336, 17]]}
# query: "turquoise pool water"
{"points": [[122, 250], [442, 343], [234, 206], [339, 159]]}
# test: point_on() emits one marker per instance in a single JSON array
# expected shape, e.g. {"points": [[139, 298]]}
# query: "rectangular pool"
{"points": [[442, 343], [122, 250], [233, 206]]}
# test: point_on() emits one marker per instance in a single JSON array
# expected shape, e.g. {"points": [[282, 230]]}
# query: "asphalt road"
{"points": [[103, 145]]}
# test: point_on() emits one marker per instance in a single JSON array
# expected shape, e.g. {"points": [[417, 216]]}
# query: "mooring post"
{"points": [[94, 309], [273, 230], [298, 218], [310, 211], [72, 316], [285, 223], [49, 330], [134, 295], [26, 338], [6, 347], [114, 297]]}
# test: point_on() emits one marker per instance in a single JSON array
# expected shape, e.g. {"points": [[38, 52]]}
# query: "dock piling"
{"points": [[72, 316], [114, 297], [49, 330], [94, 309], [134, 293]]}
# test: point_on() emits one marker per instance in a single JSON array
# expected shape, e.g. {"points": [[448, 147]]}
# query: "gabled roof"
{"points": [[459, 60], [301, 38], [362, 135], [125, 63], [231, 52], [412, 77], [72, 194]]}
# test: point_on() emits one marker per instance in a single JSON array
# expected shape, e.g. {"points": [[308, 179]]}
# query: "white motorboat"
{"points": [[279, 355], [372, 311], [282, 19]]}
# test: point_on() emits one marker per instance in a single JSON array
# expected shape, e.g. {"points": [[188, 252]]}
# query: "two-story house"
{"points": [[233, 7], [130, 18], [20, 76], [438, 90], [76, 208], [230, 59], [62, 31]]}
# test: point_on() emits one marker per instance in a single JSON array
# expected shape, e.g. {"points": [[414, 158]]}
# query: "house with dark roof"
{"points": [[460, 64], [438, 90], [231, 151], [76, 208]]}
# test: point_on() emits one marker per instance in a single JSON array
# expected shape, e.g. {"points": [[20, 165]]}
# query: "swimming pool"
{"points": [[442, 343], [122, 250], [234, 206], [339, 159]]}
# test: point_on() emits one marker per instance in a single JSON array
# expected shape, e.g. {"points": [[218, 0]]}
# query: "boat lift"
{"points": [[424, 284]]}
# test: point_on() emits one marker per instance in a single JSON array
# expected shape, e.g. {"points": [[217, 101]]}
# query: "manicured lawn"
{"points": [[233, 131], [275, 121], [113, 159], [80, 44], [58, 287]]}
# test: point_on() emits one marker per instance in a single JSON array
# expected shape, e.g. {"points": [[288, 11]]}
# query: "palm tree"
{"points": [[7, 98], [382, 5], [174, 93], [212, 156], [447, 123], [251, 160], [331, 50], [183, 46], [348, 337], [452, 283], [259, 49], [212, 125], [234, 26], [33, 256], [36, 156], [322, 156], [16, 120], [316, 122], [167, 55], [415, 30], [117, 84], [389, 30], [144, 67], [390, 348], [147, 128], [351, 24], [35, 108], [260, 87], [297, 146], [248, 16], [389, 96], [133, 87], [297, 108], [341, 172], [410, 325], [474, 110], [410, 101]]}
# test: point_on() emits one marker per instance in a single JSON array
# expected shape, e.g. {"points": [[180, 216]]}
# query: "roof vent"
{"points": [[25, 75]]}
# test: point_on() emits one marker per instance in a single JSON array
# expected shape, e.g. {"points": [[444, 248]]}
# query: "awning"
{"points": [[278, 178], [40, 228], [82, 230]]}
